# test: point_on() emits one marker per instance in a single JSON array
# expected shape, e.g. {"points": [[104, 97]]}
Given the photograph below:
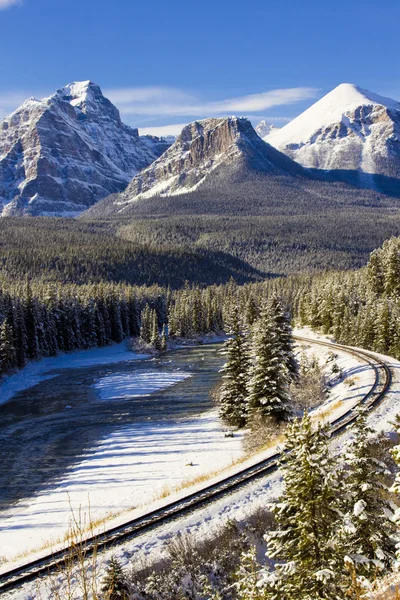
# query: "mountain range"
{"points": [[65, 153]]}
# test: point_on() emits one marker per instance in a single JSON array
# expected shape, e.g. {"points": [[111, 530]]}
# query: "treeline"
{"points": [[70, 251], [41, 319], [359, 308]]}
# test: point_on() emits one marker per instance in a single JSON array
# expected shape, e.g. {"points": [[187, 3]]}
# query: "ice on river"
{"points": [[118, 387]]}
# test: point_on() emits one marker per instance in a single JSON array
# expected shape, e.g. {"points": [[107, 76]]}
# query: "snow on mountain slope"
{"points": [[264, 129], [63, 153], [204, 146], [349, 129]]}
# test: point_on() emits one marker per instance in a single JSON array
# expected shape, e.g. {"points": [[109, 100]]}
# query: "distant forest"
{"points": [[43, 315]]}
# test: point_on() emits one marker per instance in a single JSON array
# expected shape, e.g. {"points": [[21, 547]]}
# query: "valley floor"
{"points": [[138, 466]]}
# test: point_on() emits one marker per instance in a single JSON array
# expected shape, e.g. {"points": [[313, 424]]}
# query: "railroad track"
{"points": [[55, 561]]}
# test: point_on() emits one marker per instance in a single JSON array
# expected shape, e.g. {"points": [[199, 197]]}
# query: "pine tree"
{"points": [[8, 357], [248, 577], [269, 381], [146, 324], [115, 586], [396, 485], [305, 544], [155, 340], [368, 531], [285, 337], [234, 392]]}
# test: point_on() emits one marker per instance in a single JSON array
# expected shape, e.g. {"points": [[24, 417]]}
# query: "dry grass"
{"points": [[52, 543], [350, 381], [78, 576], [387, 588]]}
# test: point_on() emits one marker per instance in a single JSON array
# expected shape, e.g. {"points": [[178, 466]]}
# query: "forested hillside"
{"points": [[275, 225], [360, 308], [68, 251]]}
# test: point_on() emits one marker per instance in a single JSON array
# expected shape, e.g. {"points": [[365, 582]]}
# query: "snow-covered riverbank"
{"points": [[47, 368]]}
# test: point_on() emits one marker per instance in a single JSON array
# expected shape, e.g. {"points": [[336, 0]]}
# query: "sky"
{"points": [[165, 63]]}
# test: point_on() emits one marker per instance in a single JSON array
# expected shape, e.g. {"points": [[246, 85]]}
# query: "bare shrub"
{"points": [[310, 389], [260, 522], [263, 432]]}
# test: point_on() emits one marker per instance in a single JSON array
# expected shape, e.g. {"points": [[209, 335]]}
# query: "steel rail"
{"points": [[56, 560]]}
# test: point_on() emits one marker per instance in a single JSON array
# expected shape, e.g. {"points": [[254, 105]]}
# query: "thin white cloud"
{"points": [[162, 130], [175, 130], [4, 4], [173, 102]]}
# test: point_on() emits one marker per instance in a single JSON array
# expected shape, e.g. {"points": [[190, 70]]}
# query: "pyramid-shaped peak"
{"points": [[351, 95], [329, 110], [80, 90]]}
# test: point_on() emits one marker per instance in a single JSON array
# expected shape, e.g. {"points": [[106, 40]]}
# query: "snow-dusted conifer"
{"points": [[309, 561], [396, 485], [155, 339], [115, 585], [233, 393], [285, 337], [368, 529], [269, 381], [145, 324], [8, 358], [164, 338], [248, 577]]}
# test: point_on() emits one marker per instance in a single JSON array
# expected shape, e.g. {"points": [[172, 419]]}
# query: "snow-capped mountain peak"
{"points": [[65, 152], [352, 132], [264, 129]]}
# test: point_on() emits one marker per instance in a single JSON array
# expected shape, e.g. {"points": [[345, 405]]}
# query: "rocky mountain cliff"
{"points": [[203, 148], [62, 154], [351, 134]]}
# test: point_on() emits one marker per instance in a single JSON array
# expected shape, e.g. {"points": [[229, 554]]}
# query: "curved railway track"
{"points": [[174, 510]]}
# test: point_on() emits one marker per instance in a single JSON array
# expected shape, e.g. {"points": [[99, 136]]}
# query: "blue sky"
{"points": [[165, 63]]}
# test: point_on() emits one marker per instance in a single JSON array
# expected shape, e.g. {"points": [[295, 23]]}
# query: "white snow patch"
{"points": [[117, 387], [125, 470], [38, 371]]}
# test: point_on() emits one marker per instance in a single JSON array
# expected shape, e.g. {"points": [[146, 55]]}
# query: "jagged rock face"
{"points": [[264, 129], [202, 147], [62, 154], [349, 130]]}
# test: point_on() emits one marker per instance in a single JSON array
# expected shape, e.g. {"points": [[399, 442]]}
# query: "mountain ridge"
{"points": [[60, 154]]}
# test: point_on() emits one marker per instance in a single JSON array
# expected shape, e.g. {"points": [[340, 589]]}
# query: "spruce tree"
{"points": [[269, 381], [164, 338], [234, 392], [155, 340], [146, 324], [305, 546], [8, 357], [285, 337], [115, 585], [368, 531]]}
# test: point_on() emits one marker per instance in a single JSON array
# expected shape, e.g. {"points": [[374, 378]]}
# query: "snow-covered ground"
{"points": [[40, 370], [133, 470]]}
